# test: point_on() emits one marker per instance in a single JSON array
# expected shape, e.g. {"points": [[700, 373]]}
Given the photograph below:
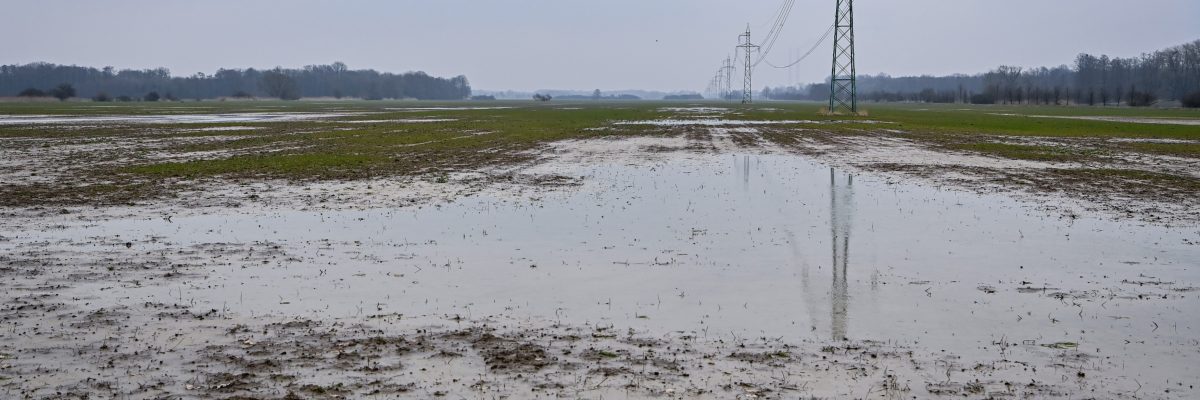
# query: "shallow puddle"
{"points": [[720, 245], [447, 108], [227, 128], [397, 121], [1132, 120], [732, 122], [695, 110], [166, 119]]}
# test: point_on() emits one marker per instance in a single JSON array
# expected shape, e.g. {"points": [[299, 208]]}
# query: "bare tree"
{"points": [[63, 92], [276, 83]]}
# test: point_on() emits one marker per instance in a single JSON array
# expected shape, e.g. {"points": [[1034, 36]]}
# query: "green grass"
{"points": [[1026, 152], [962, 119], [1172, 149], [1149, 180], [340, 150]]}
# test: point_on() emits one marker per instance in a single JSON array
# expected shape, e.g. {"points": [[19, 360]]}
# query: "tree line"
{"points": [[1170, 74], [333, 80]]}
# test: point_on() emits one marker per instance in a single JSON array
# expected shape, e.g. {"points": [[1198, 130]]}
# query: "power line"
{"points": [[785, 11], [775, 18], [843, 86], [810, 51]]}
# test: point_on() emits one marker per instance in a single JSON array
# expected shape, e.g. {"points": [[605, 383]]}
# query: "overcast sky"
{"points": [[576, 44]]}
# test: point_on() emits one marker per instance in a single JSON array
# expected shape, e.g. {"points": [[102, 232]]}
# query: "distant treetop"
{"points": [[334, 80]]}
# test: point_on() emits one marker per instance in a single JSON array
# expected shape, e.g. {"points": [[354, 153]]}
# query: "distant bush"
{"points": [[489, 98], [683, 97], [101, 97], [63, 92], [372, 94], [1141, 99], [152, 96], [32, 92], [609, 97], [929, 95], [1192, 100], [124, 98], [542, 97], [985, 98], [241, 94]]}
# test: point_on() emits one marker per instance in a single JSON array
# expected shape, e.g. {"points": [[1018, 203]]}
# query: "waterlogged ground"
{"points": [[697, 258]]}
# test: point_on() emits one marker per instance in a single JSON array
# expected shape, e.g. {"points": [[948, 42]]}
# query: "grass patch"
{"points": [[271, 165], [40, 194], [1133, 180], [1025, 152], [1171, 149], [995, 120]]}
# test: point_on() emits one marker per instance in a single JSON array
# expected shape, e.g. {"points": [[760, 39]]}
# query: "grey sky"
{"points": [[569, 44]]}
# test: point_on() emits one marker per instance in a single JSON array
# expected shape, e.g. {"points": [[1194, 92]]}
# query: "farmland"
{"points": [[266, 249]]}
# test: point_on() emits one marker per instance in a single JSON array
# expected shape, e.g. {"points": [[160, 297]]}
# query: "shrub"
{"points": [[101, 97], [1192, 100], [32, 92], [63, 92], [1142, 99], [985, 98], [152, 96]]}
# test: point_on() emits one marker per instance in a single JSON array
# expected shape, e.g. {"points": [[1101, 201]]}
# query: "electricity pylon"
{"points": [[727, 71], [843, 85], [722, 81], [748, 86]]}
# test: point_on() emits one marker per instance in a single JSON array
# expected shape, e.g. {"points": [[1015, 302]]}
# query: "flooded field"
{"points": [[701, 257]]}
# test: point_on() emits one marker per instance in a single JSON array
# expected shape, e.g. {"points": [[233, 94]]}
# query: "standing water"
{"points": [[718, 246]]}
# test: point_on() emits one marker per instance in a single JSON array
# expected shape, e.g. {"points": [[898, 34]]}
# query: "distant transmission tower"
{"points": [[722, 81], [748, 88], [843, 87], [727, 68]]}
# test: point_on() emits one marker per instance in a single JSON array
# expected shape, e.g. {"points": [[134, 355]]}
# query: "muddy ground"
{"points": [[702, 260]]}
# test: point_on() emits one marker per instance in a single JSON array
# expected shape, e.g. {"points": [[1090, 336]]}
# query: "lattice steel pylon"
{"points": [[749, 47], [843, 85], [728, 68]]}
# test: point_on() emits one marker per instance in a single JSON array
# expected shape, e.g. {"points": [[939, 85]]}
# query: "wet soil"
{"points": [[709, 261]]}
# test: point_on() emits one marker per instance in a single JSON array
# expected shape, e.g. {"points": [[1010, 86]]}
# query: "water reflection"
{"points": [[742, 169], [746, 171], [841, 212]]}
